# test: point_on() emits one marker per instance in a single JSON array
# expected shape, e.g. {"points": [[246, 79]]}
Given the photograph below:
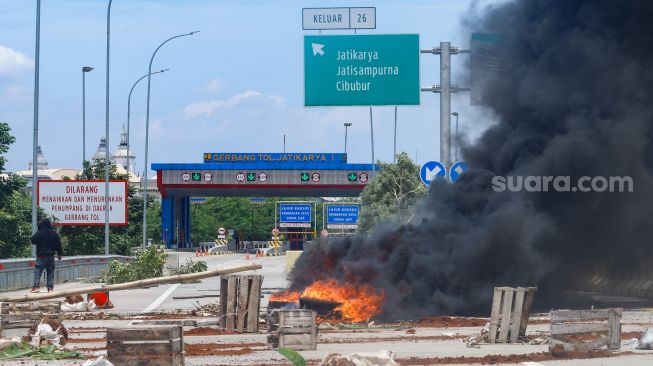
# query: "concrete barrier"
{"points": [[18, 273]]}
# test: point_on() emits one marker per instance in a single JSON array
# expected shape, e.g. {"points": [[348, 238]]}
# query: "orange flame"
{"points": [[285, 296], [359, 302]]}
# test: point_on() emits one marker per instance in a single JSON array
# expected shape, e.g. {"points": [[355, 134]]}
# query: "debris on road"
{"points": [[240, 302], [646, 340], [81, 306], [131, 285], [585, 330], [378, 358], [9, 341], [133, 345], [48, 332], [292, 329], [100, 361], [511, 308]]}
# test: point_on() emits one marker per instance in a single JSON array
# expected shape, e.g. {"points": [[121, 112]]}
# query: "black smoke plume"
{"points": [[576, 101]]}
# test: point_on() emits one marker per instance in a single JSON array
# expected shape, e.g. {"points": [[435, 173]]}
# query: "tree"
{"points": [[15, 207], [89, 240], [391, 194]]}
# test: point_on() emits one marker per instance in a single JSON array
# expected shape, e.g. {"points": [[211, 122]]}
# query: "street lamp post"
{"points": [[107, 161], [35, 136], [129, 101], [147, 131], [347, 124], [455, 141], [85, 69]]}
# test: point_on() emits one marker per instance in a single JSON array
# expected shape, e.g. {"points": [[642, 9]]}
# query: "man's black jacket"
{"points": [[47, 242]]}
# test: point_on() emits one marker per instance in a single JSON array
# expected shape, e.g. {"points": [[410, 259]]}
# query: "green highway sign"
{"points": [[347, 70], [352, 177], [304, 177], [251, 177], [196, 177]]}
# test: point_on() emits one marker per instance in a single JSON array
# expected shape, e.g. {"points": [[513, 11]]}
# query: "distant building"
{"points": [[119, 158], [43, 172]]}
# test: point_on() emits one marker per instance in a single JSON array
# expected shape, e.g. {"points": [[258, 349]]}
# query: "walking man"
{"points": [[47, 243]]}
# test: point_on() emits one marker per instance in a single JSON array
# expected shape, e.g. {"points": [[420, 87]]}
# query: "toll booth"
{"points": [[252, 175]]}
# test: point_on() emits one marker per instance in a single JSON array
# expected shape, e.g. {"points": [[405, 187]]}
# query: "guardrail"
{"points": [[18, 273]]}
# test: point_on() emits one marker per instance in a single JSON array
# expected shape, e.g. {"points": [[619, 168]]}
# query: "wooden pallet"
{"points": [[293, 329], [511, 309], [146, 346], [19, 323], [567, 322], [48, 307], [240, 302]]}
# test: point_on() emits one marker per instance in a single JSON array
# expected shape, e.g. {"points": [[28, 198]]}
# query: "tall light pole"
{"points": [[35, 176], [284, 143], [147, 131], [455, 139], [372, 137], [347, 125], [85, 69], [394, 150], [107, 160], [129, 102]]}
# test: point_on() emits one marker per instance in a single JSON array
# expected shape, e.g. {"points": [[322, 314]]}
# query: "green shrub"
{"points": [[148, 264], [189, 267]]}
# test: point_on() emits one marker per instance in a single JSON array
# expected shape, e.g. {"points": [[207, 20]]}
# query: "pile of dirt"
{"points": [[207, 331], [87, 340], [220, 349], [408, 338], [509, 359], [86, 330], [450, 322]]}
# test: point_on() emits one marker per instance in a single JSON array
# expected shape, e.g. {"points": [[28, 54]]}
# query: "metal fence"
{"points": [[17, 274]]}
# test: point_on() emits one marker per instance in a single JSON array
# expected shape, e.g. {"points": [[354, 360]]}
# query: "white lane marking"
{"points": [[161, 298], [531, 364]]}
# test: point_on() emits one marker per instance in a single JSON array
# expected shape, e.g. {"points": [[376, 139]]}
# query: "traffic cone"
{"points": [[206, 251], [197, 253]]}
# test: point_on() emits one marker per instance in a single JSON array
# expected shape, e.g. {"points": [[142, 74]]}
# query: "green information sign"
{"points": [[366, 70], [251, 177], [352, 177], [304, 177], [196, 177]]}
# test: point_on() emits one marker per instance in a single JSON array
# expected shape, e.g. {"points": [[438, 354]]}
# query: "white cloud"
{"points": [[208, 108], [214, 86], [13, 62], [277, 99]]}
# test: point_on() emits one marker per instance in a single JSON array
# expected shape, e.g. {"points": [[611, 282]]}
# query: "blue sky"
{"points": [[237, 86]]}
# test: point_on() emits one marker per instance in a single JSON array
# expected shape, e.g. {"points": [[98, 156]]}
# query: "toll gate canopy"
{"points": [[251, 175]]}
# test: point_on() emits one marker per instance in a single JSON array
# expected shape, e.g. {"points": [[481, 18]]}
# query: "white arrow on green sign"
{"points": [[350, 70]]}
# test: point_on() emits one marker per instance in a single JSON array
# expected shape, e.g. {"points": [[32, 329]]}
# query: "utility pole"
{"points": [[445, 89]]}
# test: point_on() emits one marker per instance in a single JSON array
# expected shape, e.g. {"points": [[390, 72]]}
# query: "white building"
{"points": [[119, 158], [45, 173]]}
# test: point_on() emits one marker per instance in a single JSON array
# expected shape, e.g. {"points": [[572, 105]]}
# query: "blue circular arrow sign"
{"points": [[432, 170], [457, 169]]}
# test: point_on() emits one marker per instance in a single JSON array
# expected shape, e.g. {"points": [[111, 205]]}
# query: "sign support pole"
{"points": [[372, 136], [445, 89], [445, 104]]}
